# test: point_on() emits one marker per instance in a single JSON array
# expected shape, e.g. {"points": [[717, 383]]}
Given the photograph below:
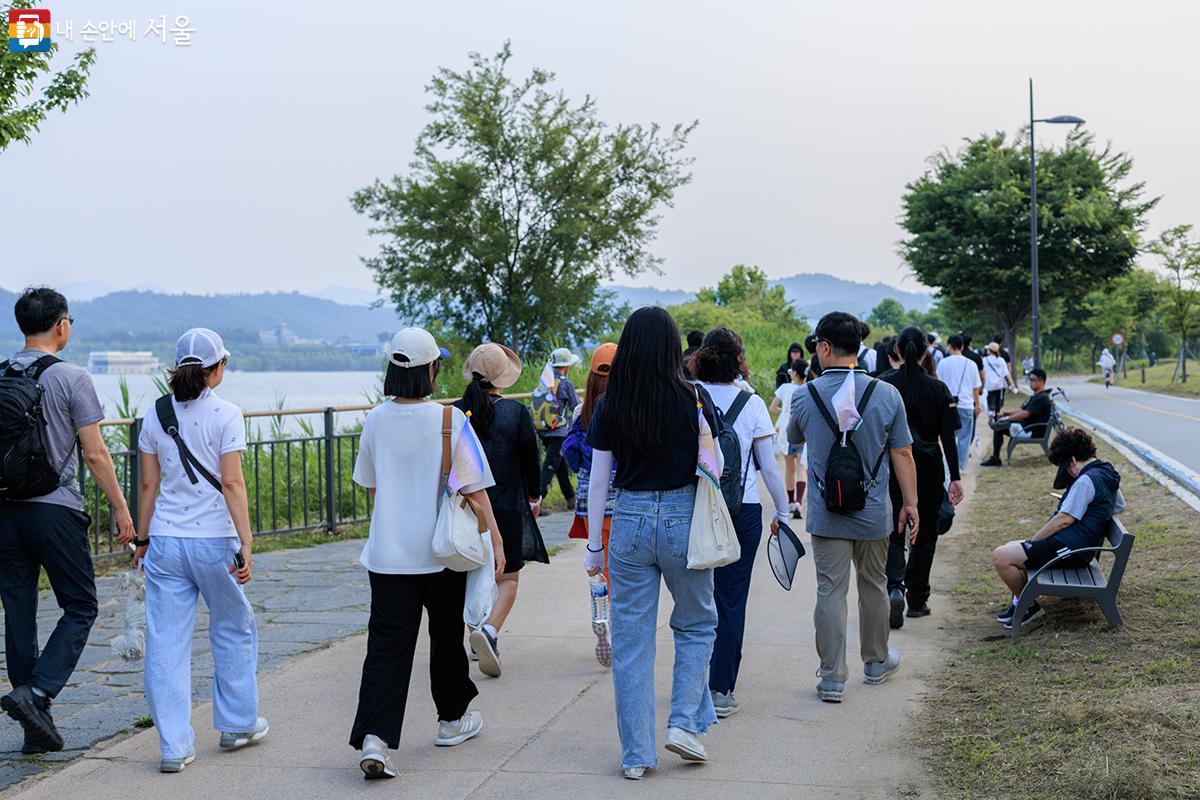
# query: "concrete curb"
{"points": [[1181, 481]]}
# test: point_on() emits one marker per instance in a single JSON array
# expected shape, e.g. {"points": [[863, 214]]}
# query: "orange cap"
{"points": [[602, 358]]}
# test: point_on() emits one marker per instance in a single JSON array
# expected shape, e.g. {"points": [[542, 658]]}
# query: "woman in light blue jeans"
{"points": [[649, 421], [194, 539]]}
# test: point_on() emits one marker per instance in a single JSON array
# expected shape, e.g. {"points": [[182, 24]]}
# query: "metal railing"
{"points": [[301, 482]]}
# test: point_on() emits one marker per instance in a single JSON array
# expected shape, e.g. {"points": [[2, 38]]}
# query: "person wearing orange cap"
{"points": [[579, 458]]}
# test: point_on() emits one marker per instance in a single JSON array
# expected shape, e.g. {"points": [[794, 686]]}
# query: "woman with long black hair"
{"points": [[932, 416], [505, 429], [648, 419]]}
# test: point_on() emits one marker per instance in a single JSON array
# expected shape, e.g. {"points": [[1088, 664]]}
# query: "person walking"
{"points": [[43, 525], [795, 475], [996, 379], [194, 539], [554, 424], [648, 421], [933, 413], [505, 429], [578, 454], [718, 363], [1107, 363], [400, 464], [961, 377], [842, 538]]}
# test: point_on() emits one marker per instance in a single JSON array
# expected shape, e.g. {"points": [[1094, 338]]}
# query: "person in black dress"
{"points": [[932, 416], [505, 429]]}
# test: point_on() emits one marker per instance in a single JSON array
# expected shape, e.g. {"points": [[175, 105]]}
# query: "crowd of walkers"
{"points": [[881, 432]]}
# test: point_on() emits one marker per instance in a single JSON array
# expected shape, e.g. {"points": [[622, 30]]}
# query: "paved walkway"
{"points": [[303, 601], [549, 720]]}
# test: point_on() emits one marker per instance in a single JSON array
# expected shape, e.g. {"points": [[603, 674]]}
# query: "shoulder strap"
{"points": [[862, 406], [33, 371], [833, 426], [735, 409], [866, 398], [165, 411], [447, 430]]}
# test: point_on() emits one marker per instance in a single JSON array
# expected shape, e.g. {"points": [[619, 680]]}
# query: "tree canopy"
{"points": [[21, 112], [517, 204], [967, 220], [747, 285]]}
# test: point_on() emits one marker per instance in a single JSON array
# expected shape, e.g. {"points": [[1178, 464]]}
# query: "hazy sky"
{"points": [[227, 166]]}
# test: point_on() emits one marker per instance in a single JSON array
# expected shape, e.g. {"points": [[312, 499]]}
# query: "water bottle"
{"points": [[599, 591]]}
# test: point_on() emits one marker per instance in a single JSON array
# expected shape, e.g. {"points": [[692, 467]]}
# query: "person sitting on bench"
{"points": [[1031, 419], [1081, 519]]}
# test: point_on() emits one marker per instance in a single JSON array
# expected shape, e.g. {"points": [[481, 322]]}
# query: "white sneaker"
{"points": [[458, 731], [685, 744], [375, 761], [233, 740]]}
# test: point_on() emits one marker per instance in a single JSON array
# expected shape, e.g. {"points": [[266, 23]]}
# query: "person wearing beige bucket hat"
{"points": [[505, 430]]}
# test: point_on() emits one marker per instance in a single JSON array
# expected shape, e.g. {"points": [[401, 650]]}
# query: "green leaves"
{"points": [[517, 205]]}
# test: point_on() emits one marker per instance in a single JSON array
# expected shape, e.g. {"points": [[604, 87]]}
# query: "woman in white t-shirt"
{"points": [[400, 464], [718, 364], [194, 539], [795, 474], [996, 379]]}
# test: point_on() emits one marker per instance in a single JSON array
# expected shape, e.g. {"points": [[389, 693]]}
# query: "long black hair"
{"points": [[478, 401], [911, 346], [646, 383]]}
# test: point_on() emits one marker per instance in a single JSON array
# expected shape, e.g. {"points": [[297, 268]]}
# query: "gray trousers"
{"points": [[832, 558]]}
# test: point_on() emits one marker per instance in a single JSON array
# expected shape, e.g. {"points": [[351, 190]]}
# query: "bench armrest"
{"points": [[1068, 554]]}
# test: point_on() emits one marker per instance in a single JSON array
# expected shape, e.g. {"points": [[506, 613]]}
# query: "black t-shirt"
{"points": [[673, 468], [974, 356], [932, 415], [1038, 407]]}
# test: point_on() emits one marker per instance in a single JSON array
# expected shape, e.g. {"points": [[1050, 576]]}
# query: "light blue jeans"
{"points": [[964, 434], [179, 569], [649, 541]]}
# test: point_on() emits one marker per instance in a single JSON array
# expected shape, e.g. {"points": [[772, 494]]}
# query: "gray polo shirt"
{"points": [[884, 426], [70, 404]]}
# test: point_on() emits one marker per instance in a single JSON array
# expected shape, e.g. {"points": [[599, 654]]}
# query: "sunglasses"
{"points": [[69, 319]]}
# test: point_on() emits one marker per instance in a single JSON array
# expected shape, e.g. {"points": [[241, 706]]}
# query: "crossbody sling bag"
{"points": [[844, 487], [165, 410]]}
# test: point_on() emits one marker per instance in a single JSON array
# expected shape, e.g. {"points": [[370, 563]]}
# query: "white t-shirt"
{"points": [[867, 358], [783, 394], [961, 377], [210, 427], [754, 422], [400, 456], [995, 373]]}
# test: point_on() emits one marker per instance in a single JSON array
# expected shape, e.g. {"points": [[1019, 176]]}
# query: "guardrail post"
{"points": [[330, 514]]}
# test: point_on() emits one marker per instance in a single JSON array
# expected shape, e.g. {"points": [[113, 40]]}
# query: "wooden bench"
{"points": [[1086, 581], [1054, 426]]}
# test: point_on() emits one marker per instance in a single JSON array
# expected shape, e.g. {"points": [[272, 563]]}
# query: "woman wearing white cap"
{"points": [[399, 464], [194, 538]]}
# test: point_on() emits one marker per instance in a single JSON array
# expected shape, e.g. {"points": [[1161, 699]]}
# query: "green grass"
{"points": [[1071, 710], [1158, 379]]}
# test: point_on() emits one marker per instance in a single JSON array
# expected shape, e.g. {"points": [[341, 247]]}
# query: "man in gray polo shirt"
{"points": [[50, 532], [861, 537]]}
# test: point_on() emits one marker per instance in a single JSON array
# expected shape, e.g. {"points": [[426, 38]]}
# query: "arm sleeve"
{"points": [[898, 433], [950, 423], [233, 433], [364, 465], [1078, 498], [85, 404], [597, 435], [145, 440], [764, 449], [601, 477], [795, 432], [530, 456]]}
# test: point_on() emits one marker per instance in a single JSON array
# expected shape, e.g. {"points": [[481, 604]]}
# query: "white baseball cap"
{"points": [[200, 346], [416, 345]]}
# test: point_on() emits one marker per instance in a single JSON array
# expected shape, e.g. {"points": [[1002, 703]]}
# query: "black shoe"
{"points": [[992, 462], [796, 513], [1035, 614], [896, 599], [33, 712], [1005, 616], [922, 610]]}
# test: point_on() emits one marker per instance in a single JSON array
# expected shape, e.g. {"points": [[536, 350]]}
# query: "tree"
{"points": [[20, 116], [1180, 255], [888, 317], [518, 203], [748, 286], [1124, 306], [967, 220]]}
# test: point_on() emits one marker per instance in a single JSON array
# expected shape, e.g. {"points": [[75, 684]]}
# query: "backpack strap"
{"points": [[34, 371], [833, 426], [862, 406], [736, 407], [165, 411], [447, 431]]}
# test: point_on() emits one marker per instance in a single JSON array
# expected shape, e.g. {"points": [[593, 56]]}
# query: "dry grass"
{"points": [[1072, 709]]}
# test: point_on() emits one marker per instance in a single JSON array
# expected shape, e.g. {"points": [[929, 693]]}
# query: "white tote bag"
{"points": [[457, 536], [712, 541], [481, 588]]}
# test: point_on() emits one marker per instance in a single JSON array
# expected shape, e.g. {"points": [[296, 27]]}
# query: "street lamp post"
{"points": [[1033, 223]]}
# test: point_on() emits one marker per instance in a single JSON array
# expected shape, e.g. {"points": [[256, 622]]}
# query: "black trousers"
{"points": [[731, 590], [396, 603], [911, 575], [998, 440], [555, 464], [995, 400], [54, 538]]}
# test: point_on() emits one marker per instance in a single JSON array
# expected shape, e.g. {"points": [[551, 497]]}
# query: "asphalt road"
{"points": [[1168, 424]]}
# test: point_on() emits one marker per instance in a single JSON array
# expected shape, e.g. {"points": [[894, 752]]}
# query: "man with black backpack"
{"points": [[851, 423], [46, 406]]}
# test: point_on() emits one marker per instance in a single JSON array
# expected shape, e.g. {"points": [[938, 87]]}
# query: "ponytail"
{"points": [[187, 382], [478, 403], [911, 347]]}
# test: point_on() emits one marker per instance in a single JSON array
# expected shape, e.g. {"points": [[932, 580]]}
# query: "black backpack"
{"points": [[165, 411], [845, 485], [733, 478], [25, 468]]}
